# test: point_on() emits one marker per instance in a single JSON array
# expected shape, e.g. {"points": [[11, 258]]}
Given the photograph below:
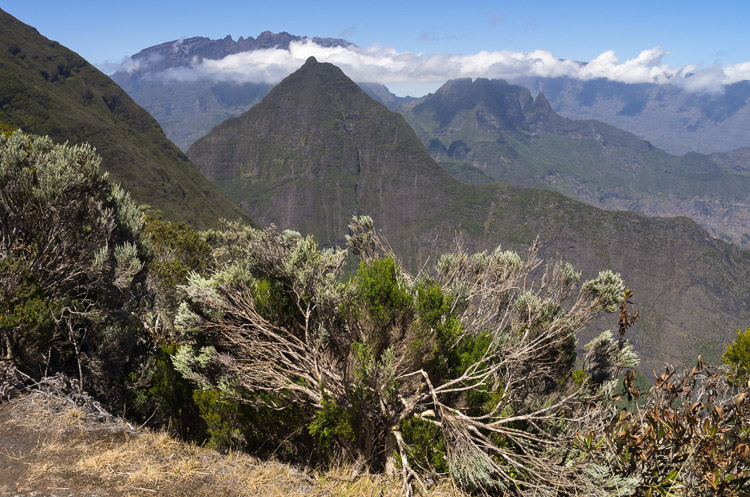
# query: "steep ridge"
{"points": [[490, 130], [318, 150], [47, 89]]}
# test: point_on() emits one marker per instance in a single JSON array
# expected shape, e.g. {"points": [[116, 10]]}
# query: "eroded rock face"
{"points": [[317, 150]]}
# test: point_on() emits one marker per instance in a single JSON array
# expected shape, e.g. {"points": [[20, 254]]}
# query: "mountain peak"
{"points": [[164, 56], [329, 150]]}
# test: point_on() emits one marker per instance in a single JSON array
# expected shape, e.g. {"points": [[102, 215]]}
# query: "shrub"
{"points": [[376, 364], [737, 356], [689, 435], [71, 262]]}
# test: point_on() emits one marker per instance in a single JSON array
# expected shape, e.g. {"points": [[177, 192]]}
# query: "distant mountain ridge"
{"points": [[669, 116], [47, 89], [489, 130], [672, 118], [188, 110], [185, 51], [318, 150]]}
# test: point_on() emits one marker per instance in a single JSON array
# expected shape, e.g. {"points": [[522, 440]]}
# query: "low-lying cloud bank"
{"points": [[382, 65]]}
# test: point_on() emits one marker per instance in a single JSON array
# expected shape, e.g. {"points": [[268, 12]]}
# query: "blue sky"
{"points": [[693, 33]]}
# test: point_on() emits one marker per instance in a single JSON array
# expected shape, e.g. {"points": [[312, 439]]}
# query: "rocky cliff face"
{"points": [[490, 130], [317, 150]]}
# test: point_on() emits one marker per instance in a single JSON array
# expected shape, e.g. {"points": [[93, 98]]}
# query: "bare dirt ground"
{"points": [[50, 446]]}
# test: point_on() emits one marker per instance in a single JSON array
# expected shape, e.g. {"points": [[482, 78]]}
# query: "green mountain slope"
{"points": [[318, 150], [47, 89], [490, 130]]}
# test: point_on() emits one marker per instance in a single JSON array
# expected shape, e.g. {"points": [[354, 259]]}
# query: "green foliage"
{"points": [[224, 419], [438, 331], [737, 356], [385, 297], [163, 397], [6, 129], [607, 288], [427, 450], [605, 354], [176, 249], [272, 302], [332, 424], [470, 351], [25, 310]]}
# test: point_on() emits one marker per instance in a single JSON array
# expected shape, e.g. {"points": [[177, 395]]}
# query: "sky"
{"points": [[631, 40]]}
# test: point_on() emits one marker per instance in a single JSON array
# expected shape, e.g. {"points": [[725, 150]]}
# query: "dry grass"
{"points": [[61, 450]]}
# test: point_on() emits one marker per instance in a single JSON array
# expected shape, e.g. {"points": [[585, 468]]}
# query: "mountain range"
{"points": [[189, 109], [47, 89], [489, 130], [317, 150], [669, 116]]}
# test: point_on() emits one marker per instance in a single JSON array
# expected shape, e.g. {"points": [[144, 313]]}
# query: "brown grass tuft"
{"points": [[52, 445]]}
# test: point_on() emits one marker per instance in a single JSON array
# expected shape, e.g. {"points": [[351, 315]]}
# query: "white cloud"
{"points": [[131, 65], [385, 65]]}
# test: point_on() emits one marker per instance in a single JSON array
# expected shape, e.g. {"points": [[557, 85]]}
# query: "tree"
{"points": [[71, 261], [476, 354]]}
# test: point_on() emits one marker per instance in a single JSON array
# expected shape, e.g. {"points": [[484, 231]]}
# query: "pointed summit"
{"points": [[318, 150]]}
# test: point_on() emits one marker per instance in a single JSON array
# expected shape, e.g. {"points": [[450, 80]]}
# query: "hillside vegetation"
{"points": [[463, 375], [46, 89], [374, 339]]}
